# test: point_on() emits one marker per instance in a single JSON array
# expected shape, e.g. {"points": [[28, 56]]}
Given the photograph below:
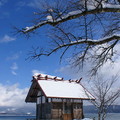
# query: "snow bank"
{"points": [[87, 119], [84, 119]]}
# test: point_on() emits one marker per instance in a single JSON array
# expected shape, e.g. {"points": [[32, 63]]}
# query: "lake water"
{"points": [[17, 117], [110, 116]]}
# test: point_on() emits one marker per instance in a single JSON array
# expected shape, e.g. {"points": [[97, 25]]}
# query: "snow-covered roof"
{"points": [[56, 87], [64, 89], [39, 76]]}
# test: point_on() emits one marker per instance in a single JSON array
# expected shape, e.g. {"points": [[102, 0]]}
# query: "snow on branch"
{"points": [[88, 42], [105, 7]]}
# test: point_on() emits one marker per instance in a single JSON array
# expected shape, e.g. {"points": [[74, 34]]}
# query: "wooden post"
{"points": [[51, 108], [63, 110], [41, 108], [82, 109], [72, 108], [63, 106], [36, 112]]}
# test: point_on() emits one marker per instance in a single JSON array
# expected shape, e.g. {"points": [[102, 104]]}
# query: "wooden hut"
{"points": [[56, 98]]}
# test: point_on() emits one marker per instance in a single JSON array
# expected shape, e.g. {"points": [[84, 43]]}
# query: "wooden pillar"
{"points": [[72, 108], [82, 109], [41, 108], [61, 109], [51, 107], [36, 111], [63, 106], [58, 113]]}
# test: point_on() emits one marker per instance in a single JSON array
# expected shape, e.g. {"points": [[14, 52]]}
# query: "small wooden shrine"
{"points": [[56, 98]]}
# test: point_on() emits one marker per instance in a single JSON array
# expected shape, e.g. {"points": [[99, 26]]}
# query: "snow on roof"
{"points": [[39, 76], [64, 89]]}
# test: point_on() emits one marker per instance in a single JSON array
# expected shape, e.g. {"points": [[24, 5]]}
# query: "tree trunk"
{"points": [[99, 116], [104, 115]]}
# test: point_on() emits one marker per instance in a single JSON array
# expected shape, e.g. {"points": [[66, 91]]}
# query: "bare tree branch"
{"points": [[88, 42], [74, 15], [90, 27], [105, 94]]}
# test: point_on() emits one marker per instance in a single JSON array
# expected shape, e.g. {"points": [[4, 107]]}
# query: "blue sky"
{"points": [[16, 73], [15, 49]]}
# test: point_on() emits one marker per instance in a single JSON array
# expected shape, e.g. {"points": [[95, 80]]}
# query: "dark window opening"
{"points": [[67, 108], [46, 100]]}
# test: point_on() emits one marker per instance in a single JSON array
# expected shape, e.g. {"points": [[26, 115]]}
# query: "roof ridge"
{"points": [[40, 76]]}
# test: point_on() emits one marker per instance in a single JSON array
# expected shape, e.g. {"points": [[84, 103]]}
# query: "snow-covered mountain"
{"points": [[17, 111]]}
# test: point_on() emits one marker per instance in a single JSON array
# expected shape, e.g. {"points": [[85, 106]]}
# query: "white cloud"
{"points": [[14, 67], [107, 71], [12, 96], [74, 73], [112, 69], [7, 38], [37, 71]]}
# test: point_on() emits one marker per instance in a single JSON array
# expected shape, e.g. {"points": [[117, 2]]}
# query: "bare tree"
{"points": [[86, 26], [106, 94]]}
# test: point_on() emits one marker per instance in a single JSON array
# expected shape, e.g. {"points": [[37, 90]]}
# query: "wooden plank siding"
{"points": [[60, 109], [56, 113], [43, 111], [55, 110]]}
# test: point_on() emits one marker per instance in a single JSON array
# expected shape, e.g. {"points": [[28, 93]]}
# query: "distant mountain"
{"points": [[17, 111], [32, 110], [93, 109]]}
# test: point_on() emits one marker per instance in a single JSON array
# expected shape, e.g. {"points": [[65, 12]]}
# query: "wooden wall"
{"points": [[57, 110], [60, 110], [43, 111]]}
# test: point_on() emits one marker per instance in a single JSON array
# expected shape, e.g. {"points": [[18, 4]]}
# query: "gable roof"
{"points": [[55, 87], [64, 89]]}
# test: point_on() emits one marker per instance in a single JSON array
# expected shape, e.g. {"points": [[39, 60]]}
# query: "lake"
{"points": [[17, 117], [110, 116]]}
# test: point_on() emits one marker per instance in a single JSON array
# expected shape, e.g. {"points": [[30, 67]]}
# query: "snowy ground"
{"points": [[84, 119], [87, 119]]}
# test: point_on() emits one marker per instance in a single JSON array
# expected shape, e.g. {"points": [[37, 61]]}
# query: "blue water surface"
{"points": [[17, 117], [110, 116]]}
